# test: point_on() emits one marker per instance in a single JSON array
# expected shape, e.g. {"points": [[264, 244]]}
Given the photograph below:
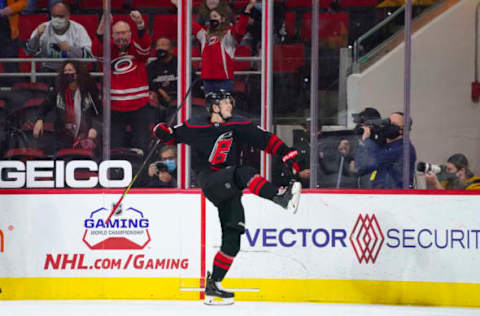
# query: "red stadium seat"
{"points": [[292, 4], [153, 4], [88, 21], [288, 57], [329, 24], [28, 23], [358, 3], [97, 4], [74, 153], [290, 24], [242, 51], [40, 86], [165, 25], [24, 154]]}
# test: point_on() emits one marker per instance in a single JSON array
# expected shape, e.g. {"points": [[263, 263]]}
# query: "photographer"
{"points": [[163, 173], [457, 175], [384, 161]]}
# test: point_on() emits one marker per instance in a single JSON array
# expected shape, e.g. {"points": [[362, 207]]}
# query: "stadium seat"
{"points": [[329, 25], [24, 154], [291, 24], [358, 3], [165, 25], [242, 51], [287, 58], [153, 4], [89, 22], [97, 4], [28, 23], [293, 4], [39, 86], [68, 154], [25, 66]]}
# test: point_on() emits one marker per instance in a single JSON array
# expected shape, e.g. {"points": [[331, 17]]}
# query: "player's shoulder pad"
{"points": [[239, 120]]}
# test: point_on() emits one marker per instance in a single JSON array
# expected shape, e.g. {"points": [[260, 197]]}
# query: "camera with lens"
{"points": [[161, 167], [430, 167]]}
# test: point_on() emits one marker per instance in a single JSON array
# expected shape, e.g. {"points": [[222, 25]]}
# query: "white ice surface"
{"points": [[197, 308]]}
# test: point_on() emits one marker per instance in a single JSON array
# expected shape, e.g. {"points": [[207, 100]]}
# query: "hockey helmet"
{"points": [[214, 97]]}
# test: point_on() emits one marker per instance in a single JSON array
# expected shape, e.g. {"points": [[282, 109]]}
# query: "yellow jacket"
{"points": [[16, 6]]}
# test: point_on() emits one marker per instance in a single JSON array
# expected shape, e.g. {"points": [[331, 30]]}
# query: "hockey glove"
{"points": [[291, 159], [163, 132]]}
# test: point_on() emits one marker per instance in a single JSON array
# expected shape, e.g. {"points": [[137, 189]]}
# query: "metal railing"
{"points": [[33, 74], [373, 30]]}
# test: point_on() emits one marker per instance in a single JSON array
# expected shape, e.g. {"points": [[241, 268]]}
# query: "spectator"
{"points": [[218, 42], [74, 108], [129, 80], [162, 74], [384, 162], [163, 173], [32, 6], [59, 38], [335, 165], [9, 34], [209, 5], [458, 175]]}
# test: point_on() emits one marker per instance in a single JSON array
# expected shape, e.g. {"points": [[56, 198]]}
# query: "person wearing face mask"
{"points": [[59, 38], [458, 176], [384, 162], [162, 74], [218, 42], [129, 81], [73, 108], [163, 173]]}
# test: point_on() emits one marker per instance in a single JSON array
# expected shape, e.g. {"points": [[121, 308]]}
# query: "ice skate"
{"points": [[215, 294], [290, 199]]}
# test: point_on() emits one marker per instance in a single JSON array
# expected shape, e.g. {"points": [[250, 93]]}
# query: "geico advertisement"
{"points": [[58, 174], [66, 235], [371, 237]]}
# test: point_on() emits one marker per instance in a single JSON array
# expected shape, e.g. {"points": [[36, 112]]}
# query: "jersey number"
{"points": [[222, 148]]}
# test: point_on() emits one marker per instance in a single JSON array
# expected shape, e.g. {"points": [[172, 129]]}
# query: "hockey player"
{"points": [[216, 139]]}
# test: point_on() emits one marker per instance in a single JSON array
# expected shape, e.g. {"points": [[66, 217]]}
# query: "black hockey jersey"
{"points": [[218, 145]]}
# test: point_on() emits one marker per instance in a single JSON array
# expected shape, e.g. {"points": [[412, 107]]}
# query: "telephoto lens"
{"points": [[427, 167]]}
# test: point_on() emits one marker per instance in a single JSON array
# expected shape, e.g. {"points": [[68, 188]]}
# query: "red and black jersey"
{"points": [[218, 145]]}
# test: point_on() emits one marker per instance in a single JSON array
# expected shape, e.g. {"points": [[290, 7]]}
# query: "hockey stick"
{"points": [[154, 148]]}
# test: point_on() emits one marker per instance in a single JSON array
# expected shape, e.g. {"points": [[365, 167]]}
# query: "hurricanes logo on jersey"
{"points": [[123, 65], [221, 149]]}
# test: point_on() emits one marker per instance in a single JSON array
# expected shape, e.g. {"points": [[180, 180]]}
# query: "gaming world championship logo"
{"points": [[127, 229], [366, 238]]}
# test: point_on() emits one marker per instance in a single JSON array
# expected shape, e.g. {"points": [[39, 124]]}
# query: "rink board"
{"points": [[358, 247]]}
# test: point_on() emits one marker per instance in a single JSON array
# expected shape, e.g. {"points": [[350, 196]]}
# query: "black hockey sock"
{"points": [[261, 187], [221, 265]]}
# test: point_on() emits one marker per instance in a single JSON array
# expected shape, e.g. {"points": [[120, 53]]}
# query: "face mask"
{"points": [[69, 77], [450, 176], [391, 131], [122, 43], [213, 23], [171, 164], [161, 53], [59, 23]]}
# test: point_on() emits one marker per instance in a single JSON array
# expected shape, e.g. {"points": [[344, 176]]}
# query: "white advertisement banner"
{"points": [[333, 236], [65, 235]]}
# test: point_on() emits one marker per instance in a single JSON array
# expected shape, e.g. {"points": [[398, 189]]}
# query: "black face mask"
{"points": [[69, 78], [161, 53], [213, 23], [391, 131]]}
